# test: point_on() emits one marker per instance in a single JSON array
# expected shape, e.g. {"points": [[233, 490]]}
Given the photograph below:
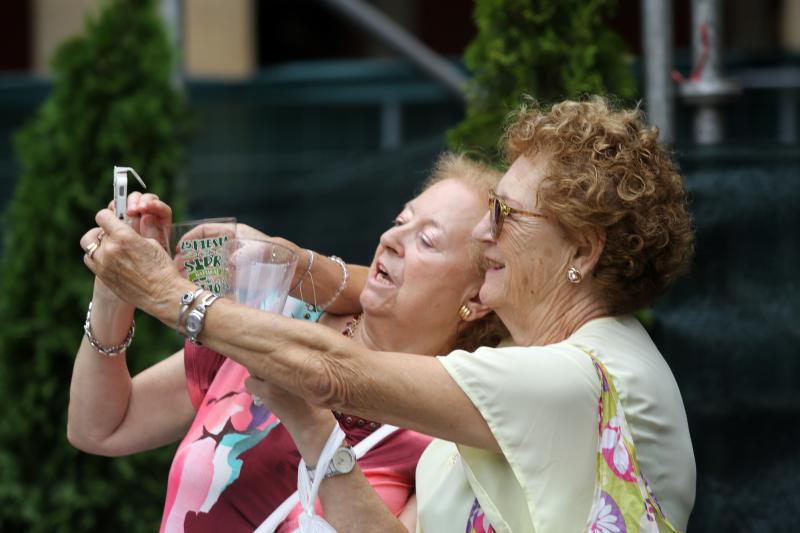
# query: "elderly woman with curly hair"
{"points": [[580, 426]]}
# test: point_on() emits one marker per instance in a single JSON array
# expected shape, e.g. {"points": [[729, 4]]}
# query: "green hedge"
{"points": [[112, 103], [548, 49]]}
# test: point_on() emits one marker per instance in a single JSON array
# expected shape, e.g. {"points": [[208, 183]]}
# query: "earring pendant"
{"points": [[574, 275]]}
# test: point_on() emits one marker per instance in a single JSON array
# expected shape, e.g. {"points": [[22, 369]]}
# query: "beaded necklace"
{"points": [[350, 420], [351, 326]]}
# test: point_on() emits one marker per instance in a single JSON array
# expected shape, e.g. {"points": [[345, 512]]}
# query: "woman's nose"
{"points": [[482, 231], [392, 239]]}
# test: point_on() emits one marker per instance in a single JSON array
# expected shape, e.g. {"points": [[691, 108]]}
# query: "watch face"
{"points": [[193, 323], [343, 460]]}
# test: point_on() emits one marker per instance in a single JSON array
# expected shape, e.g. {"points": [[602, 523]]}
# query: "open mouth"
{"points": [[382, 275]]}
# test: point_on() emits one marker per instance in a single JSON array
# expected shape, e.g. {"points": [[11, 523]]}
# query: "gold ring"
{"points": [[101, 235], [90, 250]]}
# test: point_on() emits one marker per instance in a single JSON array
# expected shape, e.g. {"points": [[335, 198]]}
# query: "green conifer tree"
{"points": [[112, 102], [548, 49]]}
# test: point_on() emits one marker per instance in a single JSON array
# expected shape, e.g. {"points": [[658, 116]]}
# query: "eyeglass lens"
{"points": [[496, 222]]}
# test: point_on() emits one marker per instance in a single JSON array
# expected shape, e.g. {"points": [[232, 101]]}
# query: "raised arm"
{"points": [[110, 413], [320, 365]]}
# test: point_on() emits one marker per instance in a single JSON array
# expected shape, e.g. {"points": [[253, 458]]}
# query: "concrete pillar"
{"points": [[657, 39], [172, 13], [707, 89], [790, 25], [220, 38], [53, 22]]}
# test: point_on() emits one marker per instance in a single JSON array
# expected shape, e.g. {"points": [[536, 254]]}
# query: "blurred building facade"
{"points": [[236, 38]]}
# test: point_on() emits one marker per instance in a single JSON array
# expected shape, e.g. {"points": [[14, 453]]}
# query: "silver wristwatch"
{"points": [[186, 302], [197, 316], [342, 462]]}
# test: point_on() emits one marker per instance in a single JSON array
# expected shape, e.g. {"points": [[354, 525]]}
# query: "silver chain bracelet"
{"points": [[108, 351], [345, 277], [306, 272]]}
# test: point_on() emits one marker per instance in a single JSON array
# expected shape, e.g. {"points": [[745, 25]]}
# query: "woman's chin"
{"points": [[490, 294], [373, 304]]}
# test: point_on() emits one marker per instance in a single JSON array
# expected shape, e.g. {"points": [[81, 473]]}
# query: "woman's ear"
{"points": [[477, 309], [587, 253]]}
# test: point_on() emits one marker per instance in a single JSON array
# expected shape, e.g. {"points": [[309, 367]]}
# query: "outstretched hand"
{"points": [[136, 268], [243, 231], [308, 425]]}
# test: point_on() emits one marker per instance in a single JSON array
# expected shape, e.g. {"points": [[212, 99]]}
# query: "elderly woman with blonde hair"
{"points": [[232, 448], [580, 426]]}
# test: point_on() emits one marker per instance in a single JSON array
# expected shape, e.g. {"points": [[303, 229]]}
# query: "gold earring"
{"points": [[464, 312], [574, 275]]}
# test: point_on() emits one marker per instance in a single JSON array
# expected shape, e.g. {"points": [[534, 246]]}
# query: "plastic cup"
{"points": [[259, 273], [197, 248]]}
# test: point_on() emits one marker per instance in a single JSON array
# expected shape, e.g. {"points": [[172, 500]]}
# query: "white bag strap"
{"points": [[282, 511], [307, 488]]}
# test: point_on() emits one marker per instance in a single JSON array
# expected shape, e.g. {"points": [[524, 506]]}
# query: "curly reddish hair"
{"points": [[607, 172]]}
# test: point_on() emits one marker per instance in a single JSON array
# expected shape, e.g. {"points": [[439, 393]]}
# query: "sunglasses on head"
{"points": [[499, 210]]}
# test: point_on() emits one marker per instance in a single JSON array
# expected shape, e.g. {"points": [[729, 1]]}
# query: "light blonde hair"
{"points": [[489, 330]]}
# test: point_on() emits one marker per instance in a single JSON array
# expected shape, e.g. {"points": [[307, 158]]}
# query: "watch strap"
{"points": [[186, 302], [197, 317], [332, 469]]}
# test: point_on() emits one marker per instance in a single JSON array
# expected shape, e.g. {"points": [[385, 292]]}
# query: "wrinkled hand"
{"points": [[202, 231], [149, 216], [293, 410], [137, 269], [308, 425], [243, 231]]}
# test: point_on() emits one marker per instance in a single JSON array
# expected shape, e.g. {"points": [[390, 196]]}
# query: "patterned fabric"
{"points": [[478, 523], [623, 500], [237, 463], [541, 404]]}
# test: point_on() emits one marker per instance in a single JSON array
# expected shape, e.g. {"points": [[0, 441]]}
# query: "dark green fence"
{"points": [[731, 332], [19, 97], [320, 153]]}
